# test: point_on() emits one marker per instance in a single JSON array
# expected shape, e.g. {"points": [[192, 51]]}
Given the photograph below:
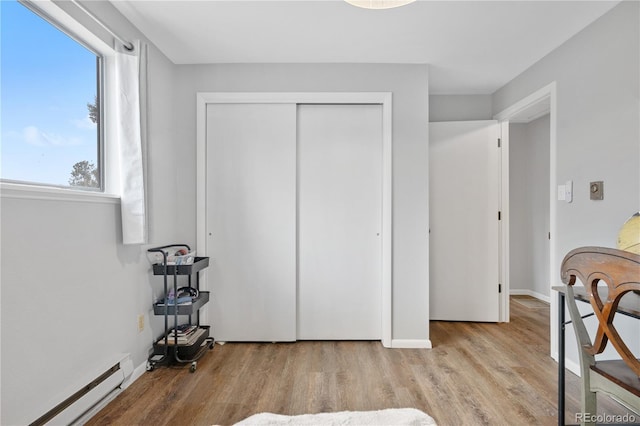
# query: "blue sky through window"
{"points": [[46, 81]]}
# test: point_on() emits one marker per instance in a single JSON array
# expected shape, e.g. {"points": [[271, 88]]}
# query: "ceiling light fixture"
{"points": [[379, 4]]}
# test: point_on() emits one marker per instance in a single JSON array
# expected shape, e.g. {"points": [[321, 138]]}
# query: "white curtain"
{"points": [[131, 89]]}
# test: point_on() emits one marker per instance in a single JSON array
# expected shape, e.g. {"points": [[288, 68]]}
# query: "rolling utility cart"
{"points": [[187, 342]]}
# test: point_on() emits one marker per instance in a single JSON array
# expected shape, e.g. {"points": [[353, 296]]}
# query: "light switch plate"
{"points": [[561, 192], [568, 191]]}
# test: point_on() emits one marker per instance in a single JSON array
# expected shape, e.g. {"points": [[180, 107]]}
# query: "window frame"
{"points": [[75, 23]]}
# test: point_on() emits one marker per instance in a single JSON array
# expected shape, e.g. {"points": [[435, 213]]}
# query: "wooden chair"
{"points": [[620, 270]]}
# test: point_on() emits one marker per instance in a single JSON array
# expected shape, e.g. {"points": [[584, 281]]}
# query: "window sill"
{"points": [[34, 192]]}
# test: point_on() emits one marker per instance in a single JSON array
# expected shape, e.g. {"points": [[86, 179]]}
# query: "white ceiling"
{"points": [[472, 47]]}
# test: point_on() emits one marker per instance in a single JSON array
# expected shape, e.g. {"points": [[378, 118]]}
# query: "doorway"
{"points": [[529, 137], [537, 105]]}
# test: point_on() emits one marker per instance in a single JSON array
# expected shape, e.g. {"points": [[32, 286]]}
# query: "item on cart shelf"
{"points": [[191, 339], [188, 292], [176, 255], [186, 296], [184, 329]]}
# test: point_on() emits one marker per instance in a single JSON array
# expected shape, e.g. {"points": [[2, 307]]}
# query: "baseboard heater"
{"points": [[90, 397]]}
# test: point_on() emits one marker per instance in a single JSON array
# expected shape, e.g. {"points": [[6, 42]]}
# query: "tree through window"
{"points": [[50, 104]]}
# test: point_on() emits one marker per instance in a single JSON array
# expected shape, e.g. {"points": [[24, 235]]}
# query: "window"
{"points": [[50, 104]]}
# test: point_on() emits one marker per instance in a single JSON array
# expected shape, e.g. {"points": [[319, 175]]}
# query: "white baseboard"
{"points": [[137, 373], [570, 365], [527, 292], [411, 344]]}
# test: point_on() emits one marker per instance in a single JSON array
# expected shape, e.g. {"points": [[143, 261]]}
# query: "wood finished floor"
{"points": [[476, 374]]}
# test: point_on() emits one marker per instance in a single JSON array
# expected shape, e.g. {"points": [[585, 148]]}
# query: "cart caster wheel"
{"points": [[150, 366], [192, 369], [211, 345]]}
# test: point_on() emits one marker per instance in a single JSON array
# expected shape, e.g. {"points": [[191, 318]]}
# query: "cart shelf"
{"points": [[198, 264], [201, 300]]}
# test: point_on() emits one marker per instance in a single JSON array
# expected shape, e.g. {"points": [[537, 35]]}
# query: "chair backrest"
{"points": [[620, 270]]}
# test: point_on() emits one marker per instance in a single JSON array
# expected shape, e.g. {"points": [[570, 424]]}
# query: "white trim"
{"points": [[570, 365], [387, 226], [554, 264], [201, 173], [34, 192], [527, 292], [532, 117], [137, 373], [411, 344], [548, 92], [504, 311], [378, 98], [539, 95], [201, 189]]}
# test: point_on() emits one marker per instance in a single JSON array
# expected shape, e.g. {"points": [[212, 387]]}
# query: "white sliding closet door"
{"points": [[339, 222], [251, 221]]}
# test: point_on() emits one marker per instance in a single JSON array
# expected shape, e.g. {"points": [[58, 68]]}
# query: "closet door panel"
{"points": [[251, 221], [339, 222]]}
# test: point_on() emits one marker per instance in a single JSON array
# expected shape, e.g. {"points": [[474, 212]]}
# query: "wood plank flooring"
{"points": [[476, 374]]}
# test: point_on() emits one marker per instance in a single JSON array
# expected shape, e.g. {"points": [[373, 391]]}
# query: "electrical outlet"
{"points": [[140, 323]]}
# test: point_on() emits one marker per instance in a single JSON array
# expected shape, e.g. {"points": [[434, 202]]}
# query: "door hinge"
{"points": [[549, 235], [499, 215], [499, 142], [499, 288]]}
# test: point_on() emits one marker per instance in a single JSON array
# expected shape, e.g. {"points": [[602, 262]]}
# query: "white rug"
{"points": [[389, 417]]}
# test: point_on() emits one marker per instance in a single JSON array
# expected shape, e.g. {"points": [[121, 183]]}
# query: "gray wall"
{"points": [[409, 85], [529, 207], [598, 132], [597, 124], [71, 292], [459, 107]]}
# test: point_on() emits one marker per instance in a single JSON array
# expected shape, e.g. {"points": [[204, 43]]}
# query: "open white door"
{"points": [[464, 205]]}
